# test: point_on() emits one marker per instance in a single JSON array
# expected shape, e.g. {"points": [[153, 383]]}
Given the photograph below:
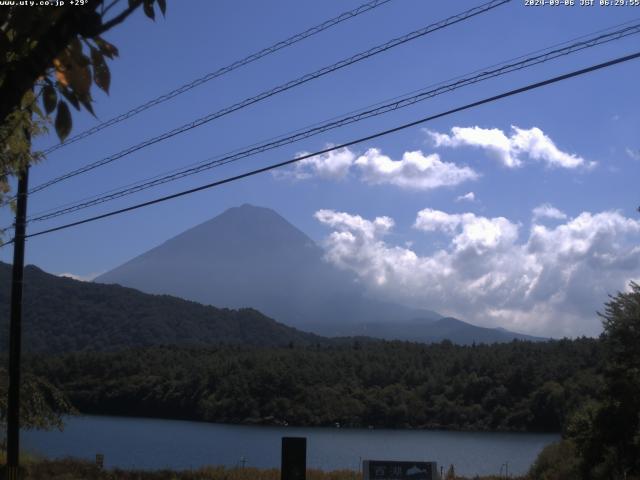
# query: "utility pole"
{"points": [[15, 331]]}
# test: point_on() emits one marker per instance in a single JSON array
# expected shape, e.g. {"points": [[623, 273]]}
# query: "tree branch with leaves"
{"points": [[42, 404], [52, 56]]}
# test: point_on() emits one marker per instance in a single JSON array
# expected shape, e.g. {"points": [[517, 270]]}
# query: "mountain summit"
{"points": [[252, 257]]}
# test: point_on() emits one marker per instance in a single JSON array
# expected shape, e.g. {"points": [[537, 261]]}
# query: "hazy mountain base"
{"points": [[65, 315], [520, 386]]}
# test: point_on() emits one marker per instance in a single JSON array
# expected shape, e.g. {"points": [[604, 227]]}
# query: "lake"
{"points": [[154, 444]]}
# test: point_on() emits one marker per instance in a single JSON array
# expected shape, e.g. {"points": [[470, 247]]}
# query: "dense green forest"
{"points": [[517, 386]]}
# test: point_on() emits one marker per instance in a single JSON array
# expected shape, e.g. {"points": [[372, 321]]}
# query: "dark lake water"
{"points": [[154, 444]]}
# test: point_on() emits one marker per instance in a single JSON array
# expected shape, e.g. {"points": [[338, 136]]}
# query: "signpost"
{"points": [[392, 470], [294, 458]]}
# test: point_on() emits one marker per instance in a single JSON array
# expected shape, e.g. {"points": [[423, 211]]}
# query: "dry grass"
{"points": [[74, 469]]}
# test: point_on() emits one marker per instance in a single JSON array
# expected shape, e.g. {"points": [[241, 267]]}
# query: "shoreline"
{"points": [[284, 424], [146, 443]]}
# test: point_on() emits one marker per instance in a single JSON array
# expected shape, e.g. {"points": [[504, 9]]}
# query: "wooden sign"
{"points": [[392, 470]]}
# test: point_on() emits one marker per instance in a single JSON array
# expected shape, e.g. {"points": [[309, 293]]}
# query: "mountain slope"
{"points": [[61, 314], [252, 257], [433, 331]]}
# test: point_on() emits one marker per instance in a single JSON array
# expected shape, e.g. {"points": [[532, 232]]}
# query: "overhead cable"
{"points": [[420, 121], [222, 71], [472, 12], [378, 110]]}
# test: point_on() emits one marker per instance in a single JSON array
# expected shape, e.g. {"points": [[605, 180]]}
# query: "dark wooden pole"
{"points": [[15, 331], [293, 465]]}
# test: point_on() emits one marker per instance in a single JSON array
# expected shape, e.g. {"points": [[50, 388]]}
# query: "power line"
{"points": [[385, 108], [472, 12], [468, 106], [218, 73], [604, 38], [223, 70]]}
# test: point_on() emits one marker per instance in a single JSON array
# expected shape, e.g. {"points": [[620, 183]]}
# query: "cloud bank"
{"points": [[550, 281], [414, 171], [512, 151], [333, 165]]}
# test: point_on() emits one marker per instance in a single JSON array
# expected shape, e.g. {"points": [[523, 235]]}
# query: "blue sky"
{"points": [[550, 230]]}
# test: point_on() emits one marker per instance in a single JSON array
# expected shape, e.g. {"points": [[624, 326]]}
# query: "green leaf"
{"points": [[63, 121], [101, 73], [71, 97], [79, 78], [106, 48], [27, 100], [35, 109], [86, 103], [163, 6], [75, 51], [49, 98], [148, 9]]}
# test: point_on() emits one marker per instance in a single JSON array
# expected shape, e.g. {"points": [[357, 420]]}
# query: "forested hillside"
{"points": [[517, 386], [63, 315]]}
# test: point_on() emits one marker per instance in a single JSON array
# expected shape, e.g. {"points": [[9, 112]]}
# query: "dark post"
{"points": [[294, 458], [15, 331]]}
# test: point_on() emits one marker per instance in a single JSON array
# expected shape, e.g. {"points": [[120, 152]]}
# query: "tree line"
{"points": [[519, 386]]}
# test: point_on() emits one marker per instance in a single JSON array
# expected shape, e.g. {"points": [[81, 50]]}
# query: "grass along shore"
{"points": [[74, 469]]}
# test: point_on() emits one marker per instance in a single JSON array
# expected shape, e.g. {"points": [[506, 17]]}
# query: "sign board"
{"points": [[100, 460], [392, 470]]}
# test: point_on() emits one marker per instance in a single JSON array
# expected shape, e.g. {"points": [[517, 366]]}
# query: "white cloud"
{"points": [[469, 230], [491, 139], [414, 171], [550, 281], [547, 210], [633, 154], [467, 197], [510, 150], [345, 222], [332, 165], [82, 278]]}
